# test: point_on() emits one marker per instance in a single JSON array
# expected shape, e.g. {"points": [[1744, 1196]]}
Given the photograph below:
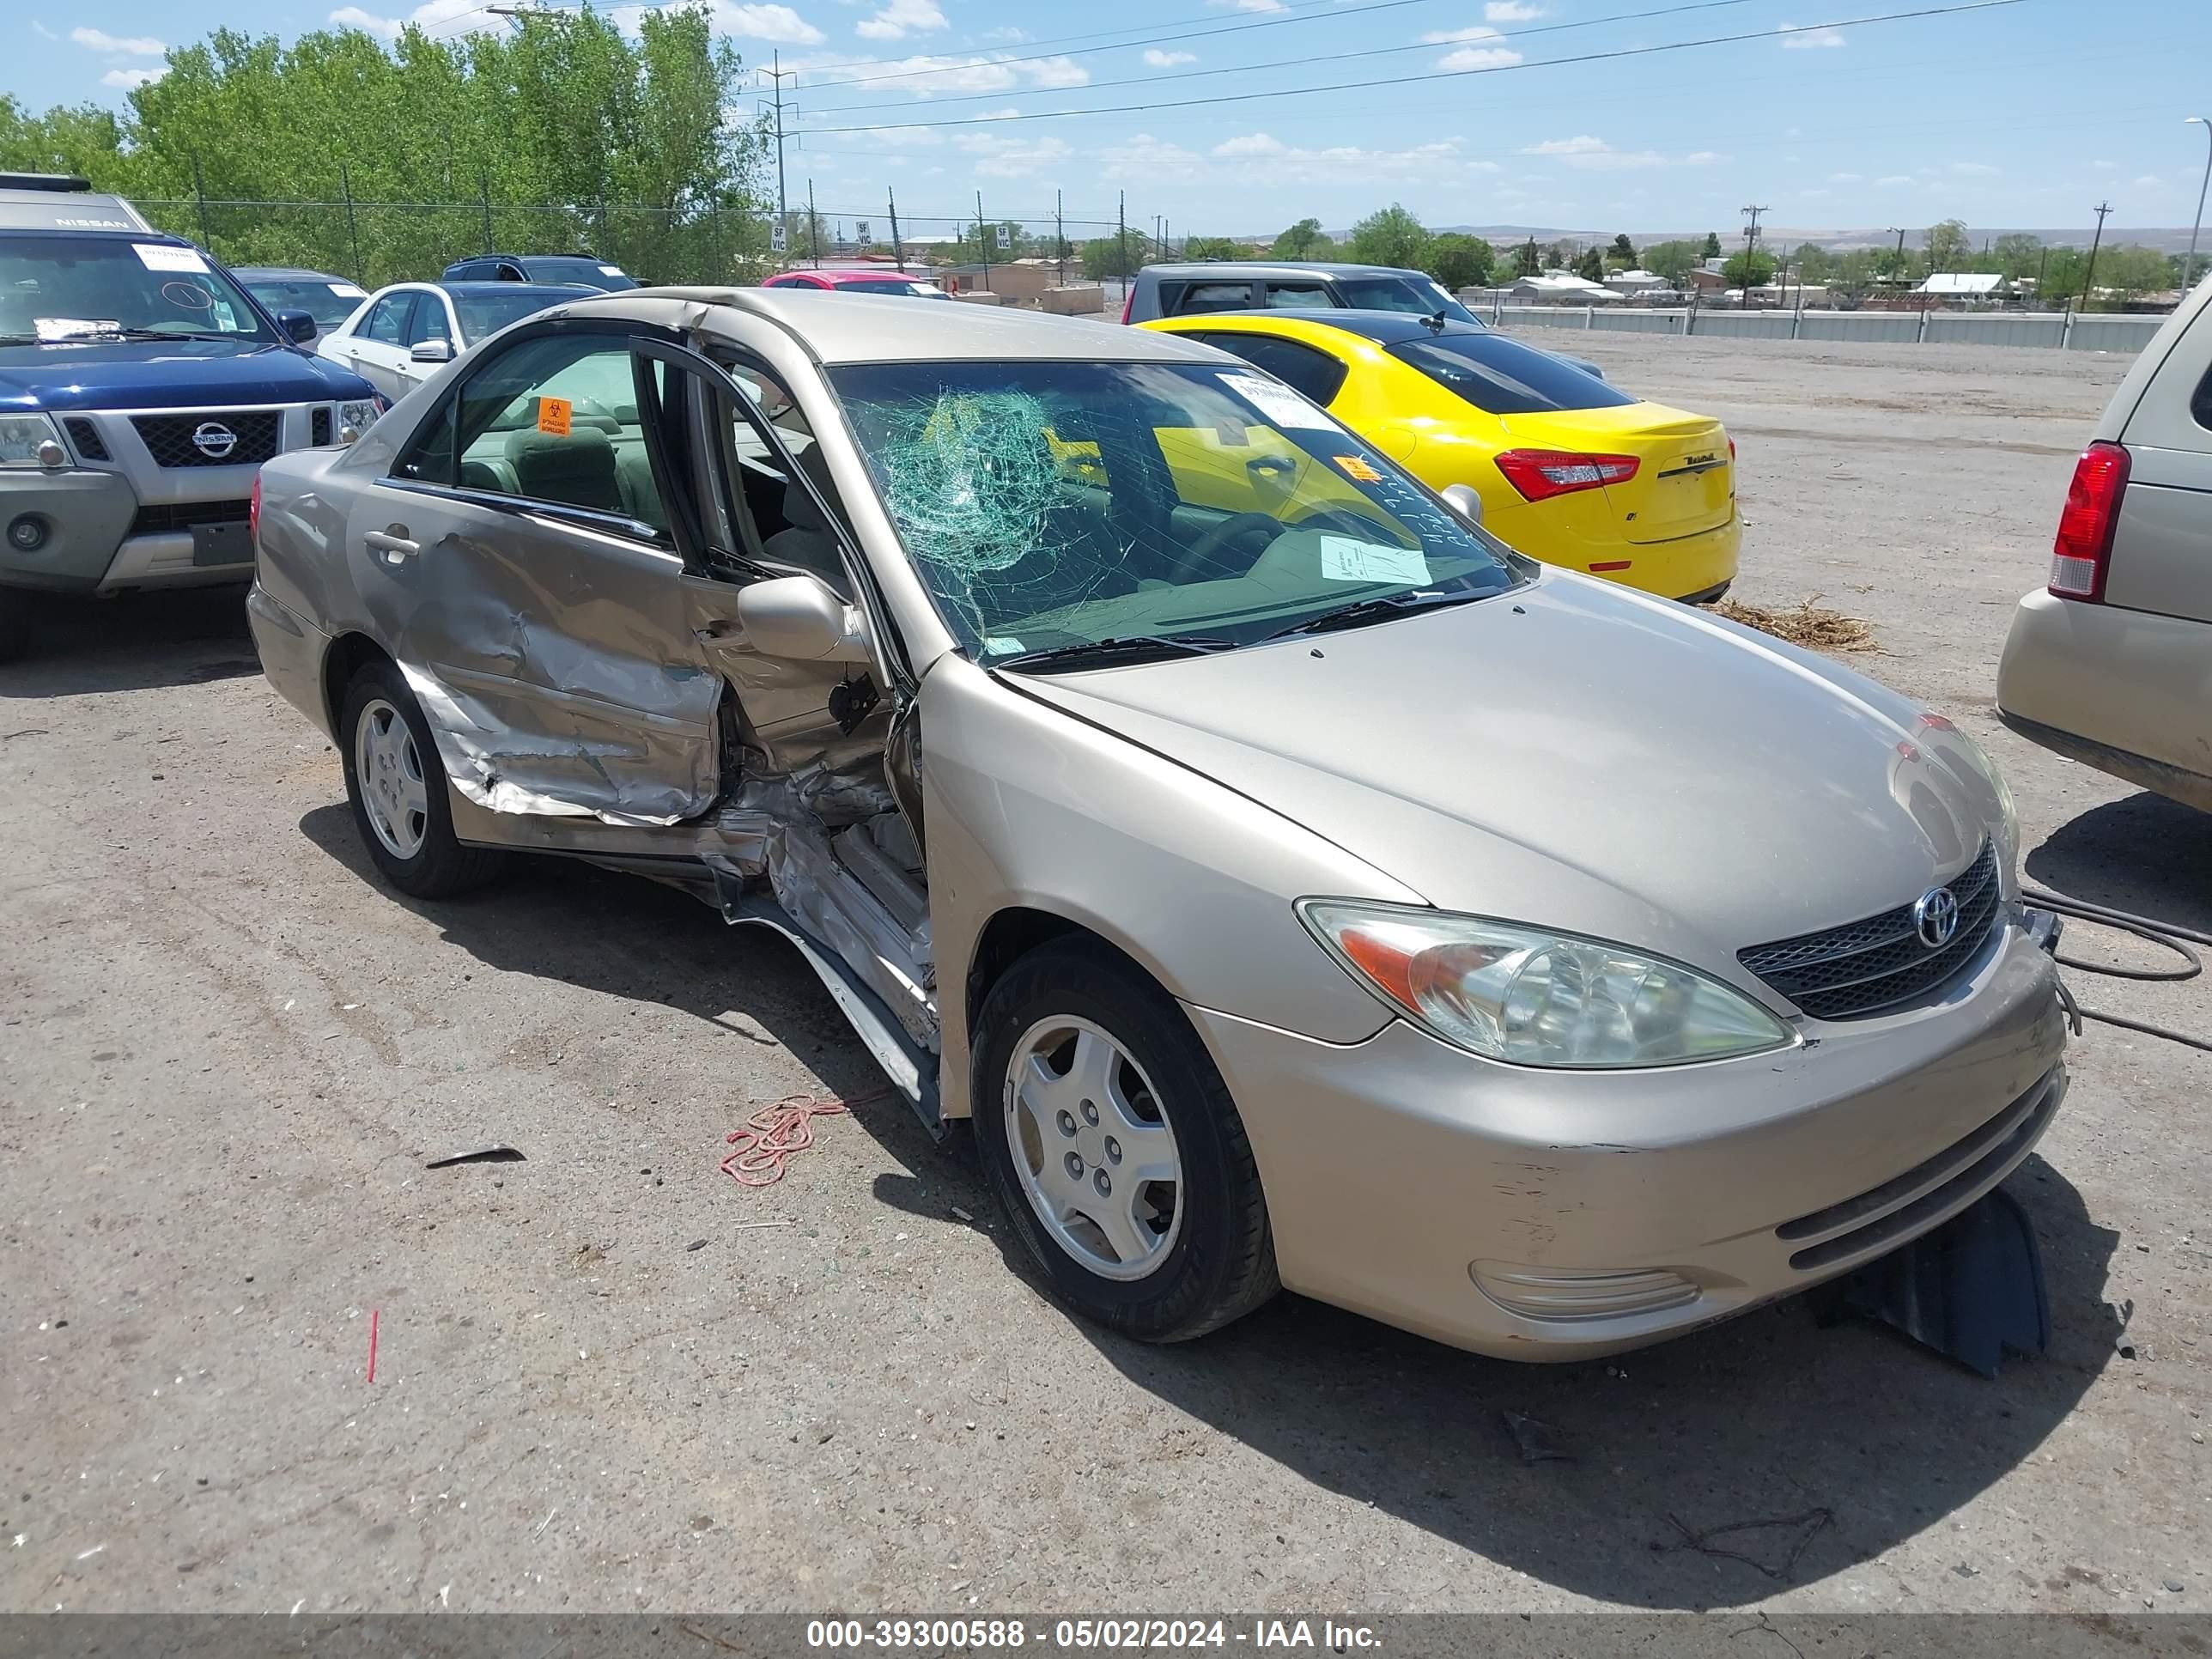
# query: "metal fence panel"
{"points": [[2124, 332], [2102, 332]]}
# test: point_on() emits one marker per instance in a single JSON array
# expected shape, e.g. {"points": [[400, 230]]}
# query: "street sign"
{"points": [[860, 232], [778, 238]]}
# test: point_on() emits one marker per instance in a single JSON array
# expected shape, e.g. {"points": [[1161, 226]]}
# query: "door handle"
{"points": [[392, 542]]}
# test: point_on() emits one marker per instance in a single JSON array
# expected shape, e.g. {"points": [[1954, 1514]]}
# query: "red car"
{"points": [[864, 280]]}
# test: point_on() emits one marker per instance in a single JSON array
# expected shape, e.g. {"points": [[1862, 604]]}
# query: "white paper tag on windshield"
{"points": [[610, 270], [169, 258], [1000, 645], [1281, 405], [1345, 559], [72, 328], [346, 290]]}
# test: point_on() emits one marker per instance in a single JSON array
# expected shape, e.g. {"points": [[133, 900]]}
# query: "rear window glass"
{"points": [[1417, 294], [1505, 377]]}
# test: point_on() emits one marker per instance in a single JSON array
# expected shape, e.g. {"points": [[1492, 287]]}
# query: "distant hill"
{"points": [[1789, 236]]}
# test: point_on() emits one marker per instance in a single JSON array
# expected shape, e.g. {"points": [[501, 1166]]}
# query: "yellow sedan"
{"points": [[1571, 470]]}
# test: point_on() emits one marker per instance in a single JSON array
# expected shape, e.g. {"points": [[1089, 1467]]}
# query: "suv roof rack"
{"points": [[61, 183]]}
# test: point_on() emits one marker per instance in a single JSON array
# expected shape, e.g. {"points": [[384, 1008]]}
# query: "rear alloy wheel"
{"points": [[1114, 1148], [398, 789]]}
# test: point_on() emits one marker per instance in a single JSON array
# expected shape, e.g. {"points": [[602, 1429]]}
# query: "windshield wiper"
{"points": [[1137, 647], [1366, 611]]}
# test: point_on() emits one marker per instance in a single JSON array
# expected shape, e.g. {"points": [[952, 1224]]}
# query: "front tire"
{"points": [[397, 785], [1114, 1148], [14, 623]]}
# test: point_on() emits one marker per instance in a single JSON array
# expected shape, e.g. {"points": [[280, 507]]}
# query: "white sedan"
{"points": [[402, 335]]}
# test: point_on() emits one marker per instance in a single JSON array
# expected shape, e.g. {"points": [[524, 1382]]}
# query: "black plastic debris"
{"points": [[495, 1154], [1539, 1441], [1970, 1290]]}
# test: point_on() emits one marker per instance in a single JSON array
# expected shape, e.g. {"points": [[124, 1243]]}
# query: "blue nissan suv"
{"points": [[141, 388]]}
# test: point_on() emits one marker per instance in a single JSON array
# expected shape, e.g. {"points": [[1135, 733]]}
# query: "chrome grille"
{"points": [[319, 426], [1864, 967], [169, 437], [85, 436]]}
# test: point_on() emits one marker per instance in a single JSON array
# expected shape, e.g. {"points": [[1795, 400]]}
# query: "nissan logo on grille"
{"points": [[1935, 917], [214, 439]]}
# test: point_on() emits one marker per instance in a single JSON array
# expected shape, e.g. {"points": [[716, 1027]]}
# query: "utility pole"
{"points": [[2089, 277], [983, 240], [1060, 238], [2189, 265], [813, 225], [353, 231], [1750, 246], [1121, 237], [777, 75], [898, 248]]}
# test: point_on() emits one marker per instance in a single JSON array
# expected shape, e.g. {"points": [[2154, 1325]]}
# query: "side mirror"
{"points": [[299, 327], [432, 351], [1462, 500], [799, 619]]}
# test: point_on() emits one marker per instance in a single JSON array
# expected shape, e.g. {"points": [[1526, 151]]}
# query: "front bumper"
{"points": [[1425, 1187]]}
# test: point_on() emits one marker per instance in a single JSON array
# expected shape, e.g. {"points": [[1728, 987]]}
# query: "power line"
{"points": [[1437, 74], [1484, 42]]}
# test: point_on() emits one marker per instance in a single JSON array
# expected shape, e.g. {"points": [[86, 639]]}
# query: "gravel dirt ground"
{"points": [[608, 1378]]}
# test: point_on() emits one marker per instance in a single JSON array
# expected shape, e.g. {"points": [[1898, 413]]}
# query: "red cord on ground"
{"points": [[774, 1133], [372, 1345]]}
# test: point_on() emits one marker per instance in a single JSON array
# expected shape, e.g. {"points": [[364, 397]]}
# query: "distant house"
{"points": [[1963, 286], [1636, 282]]}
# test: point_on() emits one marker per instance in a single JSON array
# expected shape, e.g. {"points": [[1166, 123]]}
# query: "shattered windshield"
{"points": [[1050, 504], [63, 287]]}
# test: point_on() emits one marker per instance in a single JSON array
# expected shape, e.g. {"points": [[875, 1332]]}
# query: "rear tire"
{"points": [[396, 786], [1073, 1045]]}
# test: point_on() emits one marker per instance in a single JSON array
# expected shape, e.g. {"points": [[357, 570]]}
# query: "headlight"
{"points": [[361, 416], [1534, 997], [20, 436]]}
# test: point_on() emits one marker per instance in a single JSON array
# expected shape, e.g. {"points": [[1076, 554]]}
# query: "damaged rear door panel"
{"points": [[521, 563]]}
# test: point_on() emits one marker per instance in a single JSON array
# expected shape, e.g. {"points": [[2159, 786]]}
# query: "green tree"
{"points": [[1712, 246], [1591, 266], [1213, 247], [1458, 260], [1751, 269], [1673, 260], [83, 140], [1110, 256], [2133, 272], [1527, 261], [1946, 246], [1302, 240], [2016, 253], [1390, 236], [1622, 253], [1811, 263]]}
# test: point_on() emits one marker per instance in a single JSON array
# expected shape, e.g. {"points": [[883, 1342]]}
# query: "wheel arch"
{"points": [[348, 655]]}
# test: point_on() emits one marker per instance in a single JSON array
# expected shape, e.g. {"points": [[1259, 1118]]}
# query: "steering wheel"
{"points": [[1212, 540]]}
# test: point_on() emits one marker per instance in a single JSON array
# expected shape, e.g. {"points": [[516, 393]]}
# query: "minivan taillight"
{"points": [[253, 514], [2083, 549], [1128, 302], [1539, 474]]}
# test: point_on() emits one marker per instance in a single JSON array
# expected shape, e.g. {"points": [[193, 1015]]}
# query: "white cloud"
{"points": [[1250, 5], [1894, 179], [1008, 33], [1703, 158], [896, 21], [1811, 40], [1448, 37], [1011, 158], [925, 75], [2105, 166], [1843, 178], [1593, 155], [2150, 181], [1511, 11], [429, 17], [1259, 158], [42, 31], [128, 79], [1973, 169], [132, 45], [764, 22], [1478, 58], [1159, 59]]}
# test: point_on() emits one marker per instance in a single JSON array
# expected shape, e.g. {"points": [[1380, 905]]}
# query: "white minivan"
{"points": [[2111, 663]]}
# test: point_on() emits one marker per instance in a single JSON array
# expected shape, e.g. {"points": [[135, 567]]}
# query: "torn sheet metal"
{"points": [[623, 767], [784, 828]]}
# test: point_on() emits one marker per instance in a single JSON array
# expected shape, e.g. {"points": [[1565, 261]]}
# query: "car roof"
{"points": [[865, 328], [63, 202], [483, 288], [1236, 270], [285, 274]]}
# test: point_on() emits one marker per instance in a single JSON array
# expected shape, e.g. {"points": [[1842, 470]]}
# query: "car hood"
{"points": [[1579, 756], [156, 373]]}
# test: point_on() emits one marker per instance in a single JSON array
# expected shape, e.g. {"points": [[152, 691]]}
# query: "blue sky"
{"points": [[2023, 115]]}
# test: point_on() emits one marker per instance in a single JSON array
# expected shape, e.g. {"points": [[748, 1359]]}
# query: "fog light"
{"points": [[27, 534], [1553, 1293]]}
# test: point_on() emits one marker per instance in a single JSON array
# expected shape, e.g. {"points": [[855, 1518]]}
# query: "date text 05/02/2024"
{"points": [[988, 1635]]}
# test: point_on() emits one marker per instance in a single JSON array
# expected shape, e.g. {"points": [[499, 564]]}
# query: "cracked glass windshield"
{"points": [[1053, 509]]}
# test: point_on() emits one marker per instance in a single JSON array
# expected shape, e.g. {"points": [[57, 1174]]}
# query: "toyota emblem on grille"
{"points": [[1935, 917], [214, 439]]}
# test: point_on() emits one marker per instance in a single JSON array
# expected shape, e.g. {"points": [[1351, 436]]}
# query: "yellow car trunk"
{"points": [[1684, 480]]}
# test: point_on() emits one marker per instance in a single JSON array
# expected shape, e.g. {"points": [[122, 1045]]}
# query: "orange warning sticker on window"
{"points": [[553, 416], [1358, 470]]}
